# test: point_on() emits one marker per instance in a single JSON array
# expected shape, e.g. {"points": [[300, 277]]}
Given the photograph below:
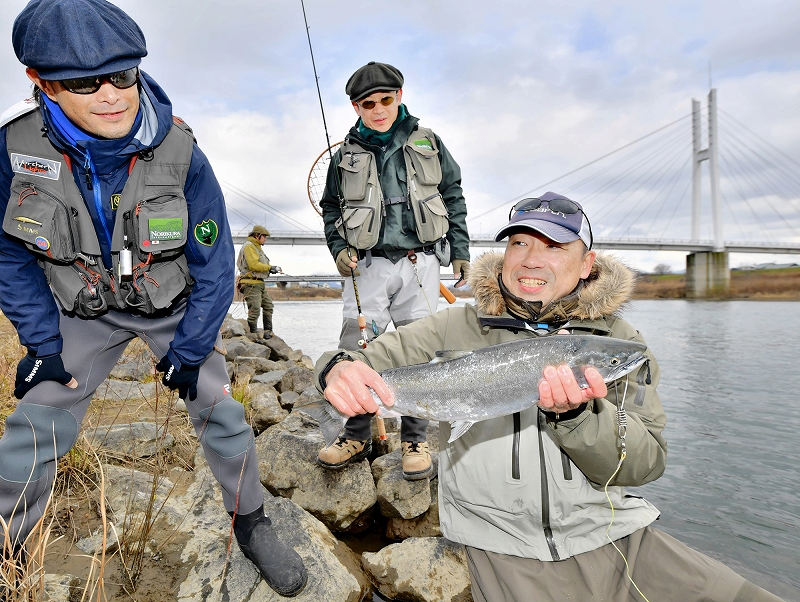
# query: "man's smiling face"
{"points": [[536, 268]]}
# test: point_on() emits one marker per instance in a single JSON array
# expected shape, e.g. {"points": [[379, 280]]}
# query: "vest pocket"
{"points": [[430, 216], [165, 282], [161, 223], [77, 289], [357, 168], [360, 226], [45, 224]]}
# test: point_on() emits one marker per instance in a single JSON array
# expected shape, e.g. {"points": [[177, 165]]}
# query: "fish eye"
{"points": [[614, 361]]}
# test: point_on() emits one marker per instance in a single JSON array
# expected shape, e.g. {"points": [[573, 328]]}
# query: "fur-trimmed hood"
{"points": [[604, 293]]}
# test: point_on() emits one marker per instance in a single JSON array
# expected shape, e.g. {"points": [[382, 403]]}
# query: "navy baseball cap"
{"points": [[65, 39], [557, 217]]}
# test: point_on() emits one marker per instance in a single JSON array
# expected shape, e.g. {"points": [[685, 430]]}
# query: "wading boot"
{"points": [[416, 460], [344, 451], [280, 566]]}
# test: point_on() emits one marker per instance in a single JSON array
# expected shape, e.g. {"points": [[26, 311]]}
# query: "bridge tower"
{"points": [[707, 273]]}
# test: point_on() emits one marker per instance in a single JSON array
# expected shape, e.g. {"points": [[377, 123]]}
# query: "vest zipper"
{"points": [[93, 184], [515, 448], [548, 531]]}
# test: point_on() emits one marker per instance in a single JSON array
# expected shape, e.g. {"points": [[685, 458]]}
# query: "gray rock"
{"points": [[297, 379], [265, 410], [121, 390], [295, 355], [425, 525], [335, 574], [243, 373], [136, 370], [242, 347], [270, 378], [57, 587], [428, 569], [94, 544], [288, 399], [397, 497], [230, 367], [287, 465], [259, 364], [137, 440], [232, 328], [306, 362], [309, 395], [279, 349]]}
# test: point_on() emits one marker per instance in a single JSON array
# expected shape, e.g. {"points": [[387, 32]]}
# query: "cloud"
{"points": [[521, 93]]}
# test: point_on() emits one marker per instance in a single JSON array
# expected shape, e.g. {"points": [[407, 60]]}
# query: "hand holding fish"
{"points": [[350, 385], [560, 392]]}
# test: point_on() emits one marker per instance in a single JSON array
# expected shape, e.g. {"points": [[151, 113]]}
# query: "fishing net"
{"points": [[318, 175]]}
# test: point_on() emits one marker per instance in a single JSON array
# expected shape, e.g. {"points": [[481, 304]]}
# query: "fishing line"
{"points": [[622, 431], [362, 324]]}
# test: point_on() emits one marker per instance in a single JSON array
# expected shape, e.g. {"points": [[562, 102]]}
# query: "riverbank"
{"points": [[779, 284]]}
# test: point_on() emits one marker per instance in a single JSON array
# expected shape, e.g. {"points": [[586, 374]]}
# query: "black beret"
{"points": [[63, 39], [373, 77]]}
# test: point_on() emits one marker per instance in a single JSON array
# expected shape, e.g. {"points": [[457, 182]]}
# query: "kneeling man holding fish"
{"points": [[537, 495]]}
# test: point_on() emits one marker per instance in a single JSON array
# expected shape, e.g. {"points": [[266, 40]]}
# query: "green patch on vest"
{"points": [[115, 199], [165, 228], [423, 143], [206, 232]]}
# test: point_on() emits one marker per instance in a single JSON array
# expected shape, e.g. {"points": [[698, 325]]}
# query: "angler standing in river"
{"points": [[538, 497], [114, 228], [394, 212]]}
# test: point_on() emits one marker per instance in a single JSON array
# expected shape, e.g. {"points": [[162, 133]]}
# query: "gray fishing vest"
{"points": [[362, 198], [47, 212]]}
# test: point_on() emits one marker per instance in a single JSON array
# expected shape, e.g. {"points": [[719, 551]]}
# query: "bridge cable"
{"points": [[540, 186]]}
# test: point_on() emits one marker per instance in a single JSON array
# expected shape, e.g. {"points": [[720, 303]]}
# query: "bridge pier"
{"points": [[708, 274]]}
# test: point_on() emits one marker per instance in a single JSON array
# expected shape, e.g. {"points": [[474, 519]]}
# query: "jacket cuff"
{"points": [[51, 347], [562, 416]]}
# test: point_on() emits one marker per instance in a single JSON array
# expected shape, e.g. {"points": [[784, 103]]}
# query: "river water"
{"points": [[730, 379]]}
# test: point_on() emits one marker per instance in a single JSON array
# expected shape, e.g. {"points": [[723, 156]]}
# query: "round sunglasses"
{"points": [[89, 85], [370, 104]]}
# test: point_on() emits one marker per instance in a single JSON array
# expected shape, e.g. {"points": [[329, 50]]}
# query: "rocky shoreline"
{"points": [[309, 506]]}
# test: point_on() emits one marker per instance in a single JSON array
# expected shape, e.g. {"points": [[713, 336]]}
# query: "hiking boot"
{"points": [[343, 452], [279, 565], [267, 335], [416, 460]]}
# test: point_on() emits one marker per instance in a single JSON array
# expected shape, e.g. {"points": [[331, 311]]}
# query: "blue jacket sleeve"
{"points": [[211, 266], [25, 297]]}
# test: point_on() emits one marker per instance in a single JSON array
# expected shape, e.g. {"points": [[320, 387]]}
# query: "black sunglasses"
{"points": [[564, 206], [90, 85]]}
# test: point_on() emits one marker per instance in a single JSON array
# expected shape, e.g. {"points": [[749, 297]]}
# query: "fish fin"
{"points": [[447, 355], [458, 428], [331, 420]]}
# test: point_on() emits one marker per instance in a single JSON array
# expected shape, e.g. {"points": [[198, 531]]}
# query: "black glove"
{"points": [[183, 379], [274, 270], [33, 370]]}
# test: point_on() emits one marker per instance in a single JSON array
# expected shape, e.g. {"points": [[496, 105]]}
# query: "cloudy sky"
{"points": [[520, 92]]}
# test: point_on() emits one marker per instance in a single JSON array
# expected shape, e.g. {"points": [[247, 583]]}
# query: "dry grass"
{"points": [[778, 284]]}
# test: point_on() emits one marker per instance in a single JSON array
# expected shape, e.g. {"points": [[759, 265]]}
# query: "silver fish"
{"points": [[465, 387]]}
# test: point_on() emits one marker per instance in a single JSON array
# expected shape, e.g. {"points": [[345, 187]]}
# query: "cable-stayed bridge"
{"points": [[704, 184]]}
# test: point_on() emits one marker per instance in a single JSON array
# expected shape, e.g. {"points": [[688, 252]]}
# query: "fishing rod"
{"points": [[362, 321]]}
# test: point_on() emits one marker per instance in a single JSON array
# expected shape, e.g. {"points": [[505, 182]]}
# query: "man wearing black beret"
{"points": [[394, 212], [114, 227]]}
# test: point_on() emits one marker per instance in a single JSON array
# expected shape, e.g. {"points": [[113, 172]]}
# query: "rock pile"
{"points": [[361, 503]]}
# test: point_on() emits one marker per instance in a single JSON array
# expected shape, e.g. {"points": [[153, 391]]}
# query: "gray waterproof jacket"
{"points": [[532, 484]]}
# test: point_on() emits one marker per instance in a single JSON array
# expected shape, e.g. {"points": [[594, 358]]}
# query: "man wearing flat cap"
{"points": [[394, 212], [114, 227]]}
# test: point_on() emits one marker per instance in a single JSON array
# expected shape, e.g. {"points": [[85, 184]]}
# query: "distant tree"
{"points": [[661, 269]]}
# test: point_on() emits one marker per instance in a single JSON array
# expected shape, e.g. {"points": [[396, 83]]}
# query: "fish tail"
{"points": [[331, 421]]}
